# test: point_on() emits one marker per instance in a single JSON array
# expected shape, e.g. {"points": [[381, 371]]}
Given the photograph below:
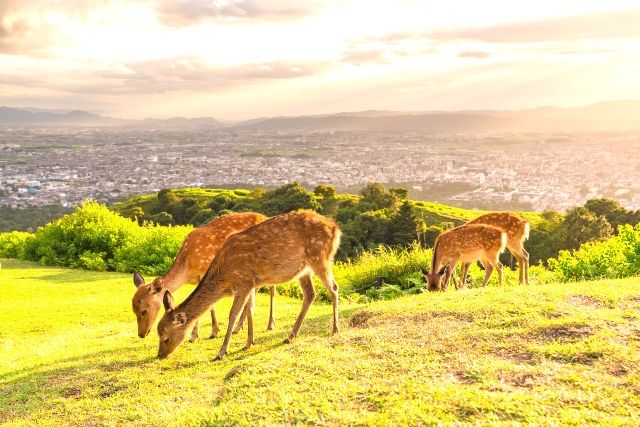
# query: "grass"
{"points": [[544, 354]]}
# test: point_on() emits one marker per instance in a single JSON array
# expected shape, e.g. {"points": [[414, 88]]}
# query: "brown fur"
{"points": [[466, 243], [517, 230], [283, 248], [191, 263]]}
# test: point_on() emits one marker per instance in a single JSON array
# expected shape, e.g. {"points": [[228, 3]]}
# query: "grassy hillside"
{"points": [[432, 212], [543, 354]]}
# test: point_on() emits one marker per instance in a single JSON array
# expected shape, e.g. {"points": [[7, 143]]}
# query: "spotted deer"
{"points": [[283, 248], [517, 230], [467, 243], [191, 263]]}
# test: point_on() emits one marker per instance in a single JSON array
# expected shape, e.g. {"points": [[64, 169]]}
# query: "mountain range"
{"points": [[602, 116]]}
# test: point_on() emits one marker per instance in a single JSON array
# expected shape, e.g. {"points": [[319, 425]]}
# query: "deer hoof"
{"points": [[212, 336], [219, 356]]}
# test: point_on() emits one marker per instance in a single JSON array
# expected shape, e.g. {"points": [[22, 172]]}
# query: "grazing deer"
{"points": [[466, 243], [517, 230], [190, 264], [285, 247]]}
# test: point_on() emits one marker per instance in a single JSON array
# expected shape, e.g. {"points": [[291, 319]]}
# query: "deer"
{"points": [[466, 243], [290, 246], [517, 230], [191, 263]]}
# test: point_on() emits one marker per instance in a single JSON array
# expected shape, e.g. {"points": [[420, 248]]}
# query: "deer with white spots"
{"points": [[283, 248], [467, 243], [517, 230], [191, 263]]}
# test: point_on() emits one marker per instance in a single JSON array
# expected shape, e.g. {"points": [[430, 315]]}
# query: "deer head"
{"points": [[171, 328], [434, 278], [146, 303]]}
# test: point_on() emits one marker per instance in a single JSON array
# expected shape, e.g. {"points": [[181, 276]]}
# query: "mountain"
{"points": [[603, 116], [19, 116]]}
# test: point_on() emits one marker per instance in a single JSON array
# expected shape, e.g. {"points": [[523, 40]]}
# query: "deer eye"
{"points": [[166, 341], [144, 312]]}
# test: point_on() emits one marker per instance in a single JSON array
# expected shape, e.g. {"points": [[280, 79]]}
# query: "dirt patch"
{"points": [[464, 317], [361, 319], [236, 370], [108, 389], [562, 332], [520, 357], [521, 380], [70, 392], [584, 301]]}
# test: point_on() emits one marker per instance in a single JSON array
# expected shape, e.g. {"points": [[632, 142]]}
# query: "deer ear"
{"points": [[442, 270], [180, 318], [167, 301], [138, 280], [425, 272]]}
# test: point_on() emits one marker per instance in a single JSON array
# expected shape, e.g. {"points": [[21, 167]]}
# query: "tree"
{"points": [[404, 225], [615, 214], [375, 194], [288, 198], [325, 191], [399, 193], [203, 216], [162, 218], [581, 225]]}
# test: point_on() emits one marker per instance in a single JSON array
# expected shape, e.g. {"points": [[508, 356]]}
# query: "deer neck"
{"points": [[207, 293], [174, 279]]}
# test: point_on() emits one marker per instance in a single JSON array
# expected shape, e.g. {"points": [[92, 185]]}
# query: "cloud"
{"points": [[161, 76], [366, 56], [592, 26], [180, 13], [474, 54]]}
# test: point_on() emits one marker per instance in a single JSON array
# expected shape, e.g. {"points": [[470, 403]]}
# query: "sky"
{"points": [[241, 59]]}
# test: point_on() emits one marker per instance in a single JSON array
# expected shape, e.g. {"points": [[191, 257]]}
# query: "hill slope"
{"points": [[539, 354]]}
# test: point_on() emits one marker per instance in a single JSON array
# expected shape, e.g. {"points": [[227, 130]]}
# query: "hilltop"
{"points": [[542, 354]]}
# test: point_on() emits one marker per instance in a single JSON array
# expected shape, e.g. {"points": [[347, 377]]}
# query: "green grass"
{"points": [[544, 354]]}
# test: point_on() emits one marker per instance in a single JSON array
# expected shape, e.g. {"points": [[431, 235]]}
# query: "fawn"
{"points": [[466, 243]]}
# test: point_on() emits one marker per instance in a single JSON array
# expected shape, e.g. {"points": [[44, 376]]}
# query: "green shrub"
{"points": [[373, 270], [87, 238], [617, 257], [152, 251], [13, 244]]}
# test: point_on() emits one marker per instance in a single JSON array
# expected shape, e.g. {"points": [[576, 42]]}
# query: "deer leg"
{"points": [[488, 268], [450, 274], [240, 324], [248, 308], [498, 266], [326, 277], [194, 331], [239, 301], [272, 321], [215, 329], [308, 295], [525, 263], [463, 274]]}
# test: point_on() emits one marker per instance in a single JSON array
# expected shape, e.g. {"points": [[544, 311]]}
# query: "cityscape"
{"points": [[64, 165]]}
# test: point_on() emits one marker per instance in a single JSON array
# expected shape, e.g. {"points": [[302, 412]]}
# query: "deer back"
{"points": [[277, 250], [202, 244], [468, 243], [516, 227]]}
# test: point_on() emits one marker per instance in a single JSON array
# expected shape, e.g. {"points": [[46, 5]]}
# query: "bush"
{"points": [[617, 257], [152, 251], [13, 244], [374, 270], [87, 238]]}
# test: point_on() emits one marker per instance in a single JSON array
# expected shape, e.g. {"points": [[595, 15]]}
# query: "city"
{"points": [[65, 165]]}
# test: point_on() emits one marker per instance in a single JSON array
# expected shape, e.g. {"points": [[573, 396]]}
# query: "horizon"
{"points": [[164, 59]]}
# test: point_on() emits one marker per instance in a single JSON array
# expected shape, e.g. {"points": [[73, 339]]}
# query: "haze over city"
{"points": [[235, 60]]}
